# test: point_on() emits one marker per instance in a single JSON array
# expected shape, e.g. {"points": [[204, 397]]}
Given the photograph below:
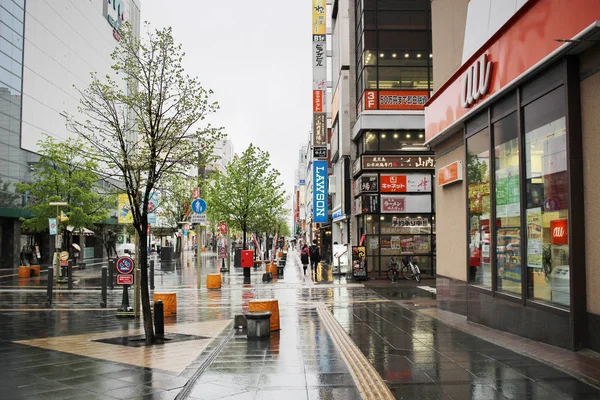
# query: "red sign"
{"points": [[223, 252], [559, 232], [124, 279], [393, 204], [450, 173], [528, 38], [393, 183], [370, 100], [196, 193], [317, 101], [223, 228], [125, 265]]}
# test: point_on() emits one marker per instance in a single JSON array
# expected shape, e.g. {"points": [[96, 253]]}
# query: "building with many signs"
{"points": [[515, 129], [46, 47], [389, 81]]}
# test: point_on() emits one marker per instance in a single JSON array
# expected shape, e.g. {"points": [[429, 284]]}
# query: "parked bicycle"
{"points": [[410, 270], [394, 272]]}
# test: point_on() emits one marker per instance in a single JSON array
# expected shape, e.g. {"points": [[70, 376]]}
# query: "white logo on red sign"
{"points": [[476, 82]]}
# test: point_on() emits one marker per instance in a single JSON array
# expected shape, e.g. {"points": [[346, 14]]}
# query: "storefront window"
{"points": [[547, 199], [371, 141], [508, 205], [372, 225], [478, 178]]}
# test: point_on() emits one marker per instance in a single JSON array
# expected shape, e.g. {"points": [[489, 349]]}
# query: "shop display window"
{"points": [[478, 180], [372, 225], [508, 205], [547, 199]]}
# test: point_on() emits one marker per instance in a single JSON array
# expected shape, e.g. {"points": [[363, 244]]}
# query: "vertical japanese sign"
{"points": [[319, 63], [125, 216], [320, 191]]}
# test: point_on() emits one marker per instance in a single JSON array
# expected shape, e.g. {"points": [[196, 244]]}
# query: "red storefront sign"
{"points": [[559, 232], [393, 183]]}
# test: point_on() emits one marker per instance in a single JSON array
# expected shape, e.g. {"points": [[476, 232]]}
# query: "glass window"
{"points": [[409, 40], [508, 205], [403, 78], [370, 20], [370, 77], [478, 179], [371, 141], [372, 225], [547, 199], [403, 19]]}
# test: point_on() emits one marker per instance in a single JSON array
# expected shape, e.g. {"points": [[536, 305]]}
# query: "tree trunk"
{"points": [[244, 243], [145, 292]]}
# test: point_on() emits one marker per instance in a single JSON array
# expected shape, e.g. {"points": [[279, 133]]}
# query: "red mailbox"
{"points": [[247, 258]]}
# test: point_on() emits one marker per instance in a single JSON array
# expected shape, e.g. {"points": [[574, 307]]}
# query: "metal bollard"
{"points": [[103, 303], [111, 271], [152, 274], [50, 286], [70, 275], [159, 319]]}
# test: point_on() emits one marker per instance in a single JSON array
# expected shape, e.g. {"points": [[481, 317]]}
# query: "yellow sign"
{"points": [[125, 216], [318, 17], [64, 256]]}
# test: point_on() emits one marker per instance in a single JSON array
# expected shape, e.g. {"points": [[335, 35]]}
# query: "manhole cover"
{"points": [[140, 340]]}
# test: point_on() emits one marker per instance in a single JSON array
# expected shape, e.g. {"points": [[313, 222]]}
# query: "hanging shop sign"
{"points": [[391, 204], [450, 173], [397, 162], [367, 184], [337, 215], [125, 215], [319, 129], [370, 204], [405, 183], [357, 206], [320, 192], [320, 152]]}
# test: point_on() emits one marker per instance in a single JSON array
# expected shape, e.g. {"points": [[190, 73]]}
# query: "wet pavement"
{"points": [[415, 355]]}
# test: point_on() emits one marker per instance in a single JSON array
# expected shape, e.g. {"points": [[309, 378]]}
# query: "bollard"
{"points": [[111, 271], [152, 274], [70, 275], [49, 289], [104, 284], [125, 300], [159, 319]]}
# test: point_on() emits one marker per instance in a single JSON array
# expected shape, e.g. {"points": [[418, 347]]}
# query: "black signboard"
{"points": [[398, 162], [368, 184], [370, 204], [320, 152], [359, 263]]}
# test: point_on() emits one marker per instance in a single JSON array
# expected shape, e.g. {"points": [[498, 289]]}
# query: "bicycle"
{"points": [[394, 272], [410, 270]]}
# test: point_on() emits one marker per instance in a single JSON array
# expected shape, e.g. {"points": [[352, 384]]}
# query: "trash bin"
{"points": [[167, 254]]}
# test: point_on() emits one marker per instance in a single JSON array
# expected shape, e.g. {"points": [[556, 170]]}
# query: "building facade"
{"points": [[514, 127], [392, 169], [46, 47]]}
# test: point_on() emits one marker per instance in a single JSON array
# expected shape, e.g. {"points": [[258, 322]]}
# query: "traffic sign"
{"points": [[223, 228], [198, 219], [124, 265], [199, 206], [223, 252], [64, 258], [125, 279]]}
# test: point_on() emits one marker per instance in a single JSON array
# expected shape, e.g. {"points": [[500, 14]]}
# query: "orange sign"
{"points": [[525, 40], [559, 232], [395, 99], [317, 101], [450, 173], [370, 100]]}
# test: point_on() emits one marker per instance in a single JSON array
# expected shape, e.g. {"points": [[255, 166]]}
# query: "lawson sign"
{"points": [[320, 212]]}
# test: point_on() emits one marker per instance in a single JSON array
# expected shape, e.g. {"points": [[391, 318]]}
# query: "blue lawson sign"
{"points": [[320, 212], [199, 206]]}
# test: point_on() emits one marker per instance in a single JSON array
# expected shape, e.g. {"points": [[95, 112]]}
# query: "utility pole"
{"points": [[201, 172], [55, 261]]}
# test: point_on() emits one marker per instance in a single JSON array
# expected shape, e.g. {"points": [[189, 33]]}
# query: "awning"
{"points": [[80, 231]]}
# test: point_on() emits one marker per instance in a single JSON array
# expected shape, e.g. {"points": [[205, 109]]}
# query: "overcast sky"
{"points": [[256, 57]]}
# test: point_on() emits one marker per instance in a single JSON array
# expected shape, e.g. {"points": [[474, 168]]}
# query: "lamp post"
{"points": [[55, 258]]}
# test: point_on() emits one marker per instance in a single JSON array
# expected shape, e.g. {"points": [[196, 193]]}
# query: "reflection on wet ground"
{"points": [[417, 356]]}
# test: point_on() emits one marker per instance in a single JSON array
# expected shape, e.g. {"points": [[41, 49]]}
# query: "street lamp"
{"points": [[55, 259]]}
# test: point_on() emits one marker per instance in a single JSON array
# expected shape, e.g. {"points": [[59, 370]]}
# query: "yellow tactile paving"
{"points": [[173, 357]]}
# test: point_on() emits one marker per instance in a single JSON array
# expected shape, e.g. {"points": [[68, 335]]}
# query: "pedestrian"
{"points": [[304, 257], [315, 257]]}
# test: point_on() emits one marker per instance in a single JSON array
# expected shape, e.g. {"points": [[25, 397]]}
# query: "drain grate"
{"points": [[140, 340]]}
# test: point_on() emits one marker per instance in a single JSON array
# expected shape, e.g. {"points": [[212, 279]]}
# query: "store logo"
{"points": [[559, 232], [476, 82], [320, 200], [115, 15]]}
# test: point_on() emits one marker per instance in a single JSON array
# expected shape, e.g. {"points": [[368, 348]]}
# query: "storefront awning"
{"points": [[80, 231]]}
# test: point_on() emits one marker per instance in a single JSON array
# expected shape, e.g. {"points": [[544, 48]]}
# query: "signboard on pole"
{"points": [[198, 219], [64, 258], [223, 228], [222, 252], [53, 227], [125, 216], [199, 206], [320, 192], [124, 265], [124, 279]]}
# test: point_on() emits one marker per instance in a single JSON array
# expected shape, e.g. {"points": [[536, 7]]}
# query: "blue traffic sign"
{"points": [[198, 206]]}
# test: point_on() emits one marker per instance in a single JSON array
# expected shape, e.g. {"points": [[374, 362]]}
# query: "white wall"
{"points": [[484, 18], [65, 40]]}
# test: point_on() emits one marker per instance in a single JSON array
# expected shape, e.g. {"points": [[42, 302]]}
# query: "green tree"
{"points": [[145, 126], [175, 203], [247, 194], [65, 174]]}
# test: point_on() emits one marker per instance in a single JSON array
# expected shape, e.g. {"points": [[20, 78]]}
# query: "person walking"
{"points": [[304, 257], [315, 257]]}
